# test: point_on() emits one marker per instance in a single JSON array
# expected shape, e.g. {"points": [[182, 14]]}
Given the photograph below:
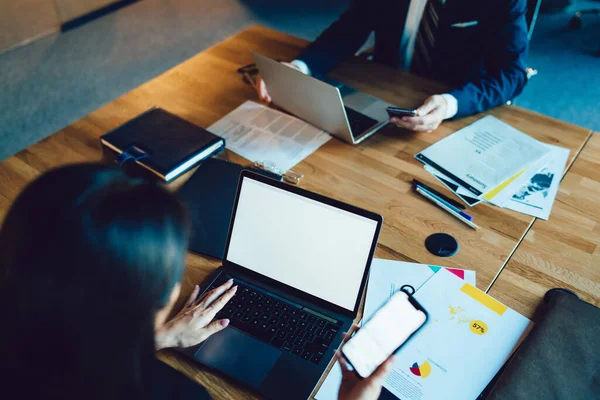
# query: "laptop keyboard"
{"points": [[359, 122], [283, 324]]}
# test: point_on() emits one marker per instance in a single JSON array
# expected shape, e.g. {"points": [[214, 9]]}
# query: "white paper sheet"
{"points": [[467, 338], [484, 154], [532, 193], [259, 133], [386, 277]]}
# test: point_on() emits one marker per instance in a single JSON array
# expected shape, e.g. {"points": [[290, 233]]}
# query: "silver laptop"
{"points": [[344, 112]]}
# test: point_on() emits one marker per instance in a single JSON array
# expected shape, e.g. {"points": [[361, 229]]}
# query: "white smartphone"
{"points": [[391, 326]]}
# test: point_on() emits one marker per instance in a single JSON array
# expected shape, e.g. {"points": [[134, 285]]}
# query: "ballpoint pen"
{"points": [[441, 195], [450, 206], [441, 205]]}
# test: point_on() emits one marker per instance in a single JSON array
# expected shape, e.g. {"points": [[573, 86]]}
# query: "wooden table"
{"points": [[375, 174], [563, 251]]}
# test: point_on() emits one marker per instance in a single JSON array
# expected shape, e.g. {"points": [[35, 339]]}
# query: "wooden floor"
{"points": [[375, 175]]}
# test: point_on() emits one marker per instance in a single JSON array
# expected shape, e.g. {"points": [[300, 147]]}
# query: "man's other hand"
{"points": [[429, 116], [261, 86]]}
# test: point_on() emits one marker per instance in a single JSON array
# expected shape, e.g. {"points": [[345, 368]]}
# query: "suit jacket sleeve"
{"points": [[341, 40], [503, 76]]}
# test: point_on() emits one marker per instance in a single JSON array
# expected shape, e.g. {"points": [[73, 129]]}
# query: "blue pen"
{"points": [[444, 202]]}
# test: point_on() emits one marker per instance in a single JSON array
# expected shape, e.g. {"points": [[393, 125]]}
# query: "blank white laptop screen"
{"points": [[311, 246]]}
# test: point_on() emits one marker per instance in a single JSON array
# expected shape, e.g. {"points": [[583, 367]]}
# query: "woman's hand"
{"points": [[192, 325], [355, 388]]}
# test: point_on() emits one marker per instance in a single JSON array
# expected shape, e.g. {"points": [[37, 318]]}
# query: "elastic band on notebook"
{"points": [[132, 152]]}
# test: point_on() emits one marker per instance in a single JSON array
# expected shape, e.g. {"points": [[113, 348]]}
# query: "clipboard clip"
{"points": [[132, 152], [288, 176]]}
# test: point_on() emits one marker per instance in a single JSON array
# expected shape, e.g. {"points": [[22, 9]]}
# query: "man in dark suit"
{"points": [[477, 46]]}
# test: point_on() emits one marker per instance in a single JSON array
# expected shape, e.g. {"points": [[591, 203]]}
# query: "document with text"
{"points": [[484, 155], [259, 133]]}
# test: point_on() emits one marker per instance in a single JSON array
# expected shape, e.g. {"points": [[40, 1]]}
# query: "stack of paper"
{"points": [[493, 162], [467, 337], [259, 133]]}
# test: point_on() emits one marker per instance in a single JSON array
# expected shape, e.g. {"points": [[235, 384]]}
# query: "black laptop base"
{"points": [[283, 324], [253, 354]]}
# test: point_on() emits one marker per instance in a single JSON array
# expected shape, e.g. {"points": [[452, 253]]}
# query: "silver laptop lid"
{"points": [[305, 97]]}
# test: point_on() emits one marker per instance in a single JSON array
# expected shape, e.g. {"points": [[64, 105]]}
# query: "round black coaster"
{"points": [[442, 245]]}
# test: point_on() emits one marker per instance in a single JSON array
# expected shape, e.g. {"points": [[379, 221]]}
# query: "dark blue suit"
{"points": [[485, 63]]}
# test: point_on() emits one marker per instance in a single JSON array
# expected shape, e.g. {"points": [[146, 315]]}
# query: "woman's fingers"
{"points": [[343, 363], [216, 326], [338, 354], [219, 303], [214, 294], [379, 375], [193, 296], [353, 329]]}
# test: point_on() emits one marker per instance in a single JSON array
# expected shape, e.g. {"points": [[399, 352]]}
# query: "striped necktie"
{"points": [[422, 59]]}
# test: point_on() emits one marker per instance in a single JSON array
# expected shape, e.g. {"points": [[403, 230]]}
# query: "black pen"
{"points": [[432, 190]]}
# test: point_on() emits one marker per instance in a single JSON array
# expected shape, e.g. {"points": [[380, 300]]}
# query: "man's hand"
{"points": [[261, 87], [355, 388], [192, 325], [429, 116]]}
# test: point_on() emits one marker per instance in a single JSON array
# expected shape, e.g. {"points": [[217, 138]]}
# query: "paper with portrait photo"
{"points": [[536, 196]]}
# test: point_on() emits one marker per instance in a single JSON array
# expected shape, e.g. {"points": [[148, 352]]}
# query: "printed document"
{"points": [[465, 195], [467, 338], [483, 155], [533, 191], [536, 195], [259, 133], [387, 277]]}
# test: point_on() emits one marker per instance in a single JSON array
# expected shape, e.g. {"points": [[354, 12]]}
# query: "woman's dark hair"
{"points": [[87, 258]]}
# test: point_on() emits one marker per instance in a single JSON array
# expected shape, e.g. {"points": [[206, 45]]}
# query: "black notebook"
{"points": [[163, 143], [209, 195]]}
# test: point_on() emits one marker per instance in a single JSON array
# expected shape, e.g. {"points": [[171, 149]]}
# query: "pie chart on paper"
{"points": [[423, 370]]}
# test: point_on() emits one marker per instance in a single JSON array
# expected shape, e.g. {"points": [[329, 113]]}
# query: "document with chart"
{"points": [[259, 133], [385, 279], [388, 276], [467, 338]]}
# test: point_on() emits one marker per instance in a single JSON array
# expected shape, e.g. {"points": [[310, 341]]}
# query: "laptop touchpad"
{"points": [[238, 355]]}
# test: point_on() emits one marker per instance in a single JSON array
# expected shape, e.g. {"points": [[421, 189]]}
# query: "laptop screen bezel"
{"points": [[322, 199]]}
